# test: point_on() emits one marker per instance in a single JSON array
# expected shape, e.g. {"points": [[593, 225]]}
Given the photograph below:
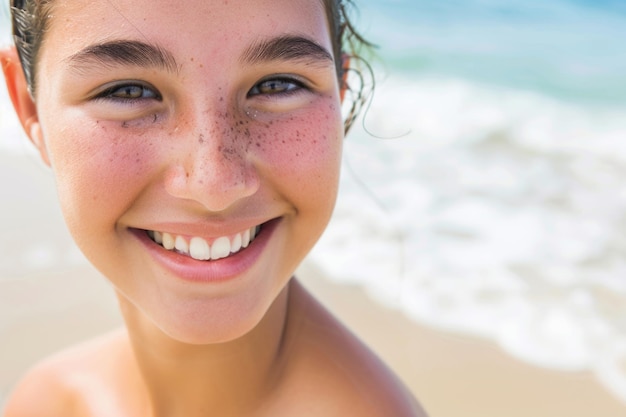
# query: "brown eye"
{"points": [[129, 92], [276, 86]]}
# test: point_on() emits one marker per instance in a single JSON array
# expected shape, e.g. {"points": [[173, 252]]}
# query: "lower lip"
{"points": [[221, 270]]}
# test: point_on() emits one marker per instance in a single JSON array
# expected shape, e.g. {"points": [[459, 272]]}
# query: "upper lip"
{"points": [[203, 229]]}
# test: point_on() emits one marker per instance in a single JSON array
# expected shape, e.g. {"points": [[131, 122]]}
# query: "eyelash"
{"points": [[290, 86], [146, 92], [285, 86]]}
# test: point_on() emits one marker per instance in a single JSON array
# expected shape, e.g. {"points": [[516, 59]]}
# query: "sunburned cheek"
{"points": [[99, 164], [303, 146]]}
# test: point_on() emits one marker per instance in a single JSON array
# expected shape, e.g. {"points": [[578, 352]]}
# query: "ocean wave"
{"points": [[499, 214]]}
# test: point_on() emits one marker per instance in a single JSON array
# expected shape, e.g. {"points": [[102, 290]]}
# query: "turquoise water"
{"points": [[570, 49]]}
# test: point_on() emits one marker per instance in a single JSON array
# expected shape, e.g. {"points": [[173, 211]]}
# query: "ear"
{"points": [[22, 100], [345, 66]]}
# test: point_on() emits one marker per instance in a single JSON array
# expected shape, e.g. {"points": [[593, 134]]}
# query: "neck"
{"points": [[221, 379]]}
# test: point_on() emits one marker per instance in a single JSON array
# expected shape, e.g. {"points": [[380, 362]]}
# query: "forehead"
{"points": [[196, 25]]}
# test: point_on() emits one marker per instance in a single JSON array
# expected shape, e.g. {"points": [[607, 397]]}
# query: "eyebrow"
{"points": [[124, 52], [287, 48], [141, 54]]}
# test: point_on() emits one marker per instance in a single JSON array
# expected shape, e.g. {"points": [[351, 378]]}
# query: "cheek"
{"points": [[305, 148], [97, 168]]}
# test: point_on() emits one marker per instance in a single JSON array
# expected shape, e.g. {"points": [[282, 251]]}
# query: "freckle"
{"points": [[192, 59], [201, 138], [221, 98], [258, 145]]}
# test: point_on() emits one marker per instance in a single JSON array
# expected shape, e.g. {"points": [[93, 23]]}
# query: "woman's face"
{"points": [[175, 131]]}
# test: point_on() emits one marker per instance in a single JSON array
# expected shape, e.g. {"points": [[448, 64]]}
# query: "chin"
{"points": [[210, 332], [223, 321]]}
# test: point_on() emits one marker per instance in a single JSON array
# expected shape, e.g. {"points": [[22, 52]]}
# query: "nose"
{"points": [[214, 169]]}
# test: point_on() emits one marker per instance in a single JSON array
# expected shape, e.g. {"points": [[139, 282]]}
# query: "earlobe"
{"points": [[22, 100]]}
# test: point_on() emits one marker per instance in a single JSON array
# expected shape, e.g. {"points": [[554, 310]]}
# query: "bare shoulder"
{"points": [[60, 384], [336, 366], [40, 392]]}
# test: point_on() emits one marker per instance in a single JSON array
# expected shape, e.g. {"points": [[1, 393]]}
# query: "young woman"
{"points": [[196, 149]]}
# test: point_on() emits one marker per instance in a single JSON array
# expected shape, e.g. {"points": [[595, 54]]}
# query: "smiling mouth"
{"points": [[200, 249]]}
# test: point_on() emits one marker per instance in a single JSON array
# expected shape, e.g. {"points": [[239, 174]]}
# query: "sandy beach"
{"points": [[451, 375]]}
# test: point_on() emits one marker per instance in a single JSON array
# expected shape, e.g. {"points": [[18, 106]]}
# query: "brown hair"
{"points": [[30, 20]]}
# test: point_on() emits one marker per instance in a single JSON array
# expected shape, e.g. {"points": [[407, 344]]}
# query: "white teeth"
{"points": [[180, 244], [199, 249], [235, 245], [220, 248], [245, 239], [168, 241]]}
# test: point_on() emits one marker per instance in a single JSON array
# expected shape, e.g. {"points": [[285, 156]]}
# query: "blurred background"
{"points": [[482, 190], [494, 156]]}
